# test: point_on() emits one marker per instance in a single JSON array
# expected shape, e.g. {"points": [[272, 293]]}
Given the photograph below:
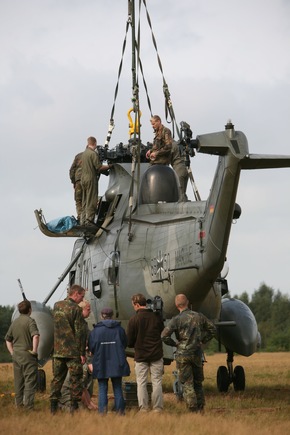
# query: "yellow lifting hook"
{"points": [[133, 126]]}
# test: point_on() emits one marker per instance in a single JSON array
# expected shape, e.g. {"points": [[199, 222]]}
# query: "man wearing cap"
{"points": [[144, 334], [107, 343]]}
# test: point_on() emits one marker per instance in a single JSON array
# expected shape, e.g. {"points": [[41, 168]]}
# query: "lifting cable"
{"points": [[168, 102], [136, 109], [112, 125]]}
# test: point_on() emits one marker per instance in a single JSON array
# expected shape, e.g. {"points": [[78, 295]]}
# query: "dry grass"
{"points": [[263, 408]]}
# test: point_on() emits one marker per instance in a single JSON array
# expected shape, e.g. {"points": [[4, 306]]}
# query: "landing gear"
{"points": [[239, 379], [228, 375], [223, 379]]}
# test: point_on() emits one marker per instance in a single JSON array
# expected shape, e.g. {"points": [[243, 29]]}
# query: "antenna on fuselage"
{"points": [[22, 291]]}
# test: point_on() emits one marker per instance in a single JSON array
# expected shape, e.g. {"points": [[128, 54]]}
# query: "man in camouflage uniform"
{"points": [[65, 399], [191, 330], [160, 152], [69, 347], [75, 174], [178, 164]]}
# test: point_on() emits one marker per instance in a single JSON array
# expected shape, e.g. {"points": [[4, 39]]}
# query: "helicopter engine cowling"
{"points": [[243, 338], [159, 184]]}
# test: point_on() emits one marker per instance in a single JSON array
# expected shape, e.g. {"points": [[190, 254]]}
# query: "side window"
{"points": [[111, 267]]}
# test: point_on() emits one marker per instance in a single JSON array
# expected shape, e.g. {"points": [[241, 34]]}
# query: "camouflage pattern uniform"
{"points": [[191, 330], [87, 376], [178, 164], [75, 174], [89, 180], [69, 346], [162, 144]]}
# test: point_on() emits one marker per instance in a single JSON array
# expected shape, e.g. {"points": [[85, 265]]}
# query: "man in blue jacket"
{"points": [[107, 343]]}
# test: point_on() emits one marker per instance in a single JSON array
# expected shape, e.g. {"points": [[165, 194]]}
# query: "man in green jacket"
{"points": [[22, 341], [75, 174], [91, 171]]}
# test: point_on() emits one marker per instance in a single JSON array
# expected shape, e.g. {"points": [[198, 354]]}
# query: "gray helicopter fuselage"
{"points": [[147, 241]]}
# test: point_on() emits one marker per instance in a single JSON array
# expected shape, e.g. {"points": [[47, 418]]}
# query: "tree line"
{"points": [[272, 312], [271, 309]]}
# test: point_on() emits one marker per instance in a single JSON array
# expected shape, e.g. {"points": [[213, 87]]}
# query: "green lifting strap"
{"points": [[168, 102], [111, 125]]}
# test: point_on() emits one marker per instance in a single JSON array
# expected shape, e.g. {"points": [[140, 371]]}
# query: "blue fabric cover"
{"points": [[60, 225]]}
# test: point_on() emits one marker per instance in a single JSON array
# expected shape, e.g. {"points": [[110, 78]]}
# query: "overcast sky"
{"points": [[58, 71]]}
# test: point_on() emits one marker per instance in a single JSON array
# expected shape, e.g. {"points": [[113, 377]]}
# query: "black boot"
{"points": [[74, 406], [53, 406]]}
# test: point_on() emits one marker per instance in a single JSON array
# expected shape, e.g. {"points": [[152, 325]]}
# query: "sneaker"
{"points": [[143, 410], [157, 410]]}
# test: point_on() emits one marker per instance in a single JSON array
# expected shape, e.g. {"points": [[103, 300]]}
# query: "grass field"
{"points": [[263, 408]]}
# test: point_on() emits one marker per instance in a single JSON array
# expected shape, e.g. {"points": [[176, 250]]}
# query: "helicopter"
{"points": [[146, 240]]}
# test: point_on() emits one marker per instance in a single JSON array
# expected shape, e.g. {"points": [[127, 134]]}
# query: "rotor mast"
{"points": [[135, 87], [135, 126]]}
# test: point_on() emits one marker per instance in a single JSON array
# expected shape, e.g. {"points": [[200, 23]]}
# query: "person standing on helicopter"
{"points": [[160, 153]]}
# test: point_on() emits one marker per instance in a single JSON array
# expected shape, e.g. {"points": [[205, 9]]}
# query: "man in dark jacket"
{"points": [[144, 334], [107, 343], [69, 347]]}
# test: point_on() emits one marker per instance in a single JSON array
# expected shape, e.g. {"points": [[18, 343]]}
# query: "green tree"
{"points": [[5, 320], [261, 303], [244, 298]]}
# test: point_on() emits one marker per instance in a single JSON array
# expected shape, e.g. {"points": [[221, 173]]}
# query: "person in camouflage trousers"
{"points": [[191, 330], [160, 153], [87, 381], [69, 347], [178, 164]]}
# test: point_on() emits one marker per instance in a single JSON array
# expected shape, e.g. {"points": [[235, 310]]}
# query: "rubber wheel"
{"points": [[222, 379], [239, 380], [41, 380]]}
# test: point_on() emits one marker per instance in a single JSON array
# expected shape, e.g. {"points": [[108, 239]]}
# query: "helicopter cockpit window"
{"points": [[72, 276], [111, 267]]}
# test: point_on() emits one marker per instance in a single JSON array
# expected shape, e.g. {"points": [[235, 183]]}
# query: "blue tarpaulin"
{"points": [[62, 224]]}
